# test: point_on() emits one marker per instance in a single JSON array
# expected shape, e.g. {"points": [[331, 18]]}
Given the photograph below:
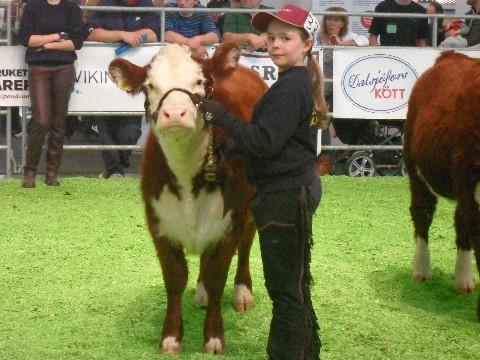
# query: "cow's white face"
{"points": [[173, 67]]}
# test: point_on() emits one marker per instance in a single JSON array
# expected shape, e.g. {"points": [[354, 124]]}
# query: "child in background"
{"points": [[189, 28], [454, 30]]}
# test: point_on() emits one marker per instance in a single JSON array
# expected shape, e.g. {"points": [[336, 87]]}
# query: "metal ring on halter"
{"points": [[208, 117]]}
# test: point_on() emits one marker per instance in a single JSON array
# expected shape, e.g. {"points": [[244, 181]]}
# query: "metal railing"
{"points": [[163, 11], [8, 127]]}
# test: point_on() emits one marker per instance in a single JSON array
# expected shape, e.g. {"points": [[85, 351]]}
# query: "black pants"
{"points": [[284, 223], [16, 123], [118, 130]]}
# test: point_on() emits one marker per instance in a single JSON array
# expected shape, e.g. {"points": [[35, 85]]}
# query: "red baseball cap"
{"points": [[290, 14]]}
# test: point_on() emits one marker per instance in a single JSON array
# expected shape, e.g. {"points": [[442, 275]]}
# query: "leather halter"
{"points": [[210, 166], [196, 99]]}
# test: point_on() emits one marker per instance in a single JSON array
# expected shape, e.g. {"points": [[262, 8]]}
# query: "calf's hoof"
{"points": [[464, 287], [422, 275], [243, 299], [170, 345], [214, 346]]}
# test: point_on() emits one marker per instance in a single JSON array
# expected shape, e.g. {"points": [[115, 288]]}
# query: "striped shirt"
{"points": [[197, 24]]}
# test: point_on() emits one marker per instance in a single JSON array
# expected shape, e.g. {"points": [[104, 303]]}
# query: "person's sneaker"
{"points": [[116, 176], [103, 175]]}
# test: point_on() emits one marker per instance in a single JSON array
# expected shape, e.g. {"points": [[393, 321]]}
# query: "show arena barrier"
{"points": [[368, 82]]}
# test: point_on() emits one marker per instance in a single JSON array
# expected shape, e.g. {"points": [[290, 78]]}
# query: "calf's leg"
{"points": [[463, 266], [175, 273], [475, 239], [201, 296], [243, 298], [422, 208], [216, 265]]}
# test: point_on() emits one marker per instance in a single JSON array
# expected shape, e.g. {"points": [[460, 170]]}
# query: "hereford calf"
{"points": [[185, 212], [442, 155]]}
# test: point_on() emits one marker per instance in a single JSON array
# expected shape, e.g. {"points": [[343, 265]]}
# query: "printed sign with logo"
{"points": [[13, 76], [375, 85], [261, 63]]}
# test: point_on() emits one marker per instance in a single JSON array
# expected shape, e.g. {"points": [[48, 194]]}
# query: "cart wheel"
{"points": [[360, 164]]}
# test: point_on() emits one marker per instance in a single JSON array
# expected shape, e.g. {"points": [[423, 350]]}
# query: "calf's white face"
{"points": [[173, 67]]}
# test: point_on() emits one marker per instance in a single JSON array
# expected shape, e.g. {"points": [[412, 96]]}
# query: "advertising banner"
{"points": [[13, 77], [94, 90], [367, 83], [263, 65], [376, 83]]}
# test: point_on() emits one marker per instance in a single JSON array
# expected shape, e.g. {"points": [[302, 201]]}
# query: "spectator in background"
{"points": [[399, 31], [87, 14], [454, 30], [51, 30], [219, 18], [237, 27], [192, 29], [473, 35], [334, 31], [435, 7], [16, 129], [129, 28]]}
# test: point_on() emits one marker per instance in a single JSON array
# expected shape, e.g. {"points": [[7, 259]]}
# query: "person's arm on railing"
{"points": [[205, 39], [132, 38], [249, 40], [372, 40]]}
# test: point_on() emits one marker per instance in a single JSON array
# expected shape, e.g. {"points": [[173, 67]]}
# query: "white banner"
{"points": [[13, 77], [376, 83], [367, 83], [94, 90]]}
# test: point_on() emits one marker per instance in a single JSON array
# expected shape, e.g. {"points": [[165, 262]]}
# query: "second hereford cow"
{"points": [[442, 155]]}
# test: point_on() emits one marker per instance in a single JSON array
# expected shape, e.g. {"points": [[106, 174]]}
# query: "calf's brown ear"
{"points": [[127, 76], [226, 56], [233, 57]]}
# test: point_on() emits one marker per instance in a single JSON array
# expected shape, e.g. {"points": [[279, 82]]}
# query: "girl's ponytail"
{"points": [[320, 107]]}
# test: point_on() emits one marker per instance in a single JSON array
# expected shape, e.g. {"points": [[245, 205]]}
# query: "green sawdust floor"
{"points": [[79, 278]]}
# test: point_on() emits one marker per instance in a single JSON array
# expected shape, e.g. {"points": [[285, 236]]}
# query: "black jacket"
{"points": [[279, 144]]}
